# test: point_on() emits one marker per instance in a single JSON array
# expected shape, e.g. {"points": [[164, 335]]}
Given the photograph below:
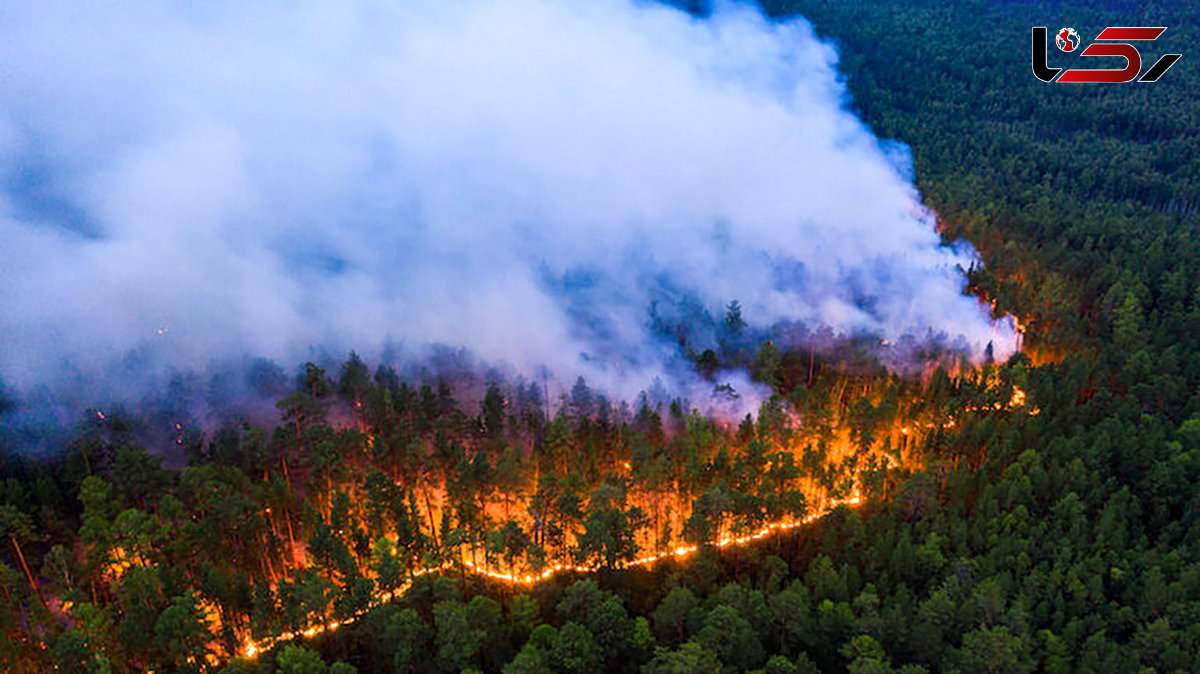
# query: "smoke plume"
{"points": [[545, 183]]}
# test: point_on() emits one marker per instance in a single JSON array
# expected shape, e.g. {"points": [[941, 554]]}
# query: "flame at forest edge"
{"points": [[252, 648]]}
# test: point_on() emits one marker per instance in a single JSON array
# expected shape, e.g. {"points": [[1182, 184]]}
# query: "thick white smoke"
{"points": [[524, 178]]}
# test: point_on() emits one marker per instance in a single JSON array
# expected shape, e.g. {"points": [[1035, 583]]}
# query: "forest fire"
{"points": [[696, 337], [371, 482], [820, 501], [251, 649], [844, 450]]}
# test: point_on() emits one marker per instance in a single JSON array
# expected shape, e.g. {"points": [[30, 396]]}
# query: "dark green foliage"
{"points": [[676, 617], [689, 658], [731, 638], [576, 651], [300, 660]]}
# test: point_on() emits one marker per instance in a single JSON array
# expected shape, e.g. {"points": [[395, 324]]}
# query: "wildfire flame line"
{"points": [[251, 648]]}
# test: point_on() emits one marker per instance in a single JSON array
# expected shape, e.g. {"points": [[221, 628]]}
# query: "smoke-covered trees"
{"points": [[256, 537]]}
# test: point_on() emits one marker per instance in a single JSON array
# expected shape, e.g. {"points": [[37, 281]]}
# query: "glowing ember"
{"points": [[1018, 398]]}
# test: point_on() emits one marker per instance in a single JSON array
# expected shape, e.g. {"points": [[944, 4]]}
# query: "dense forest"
{"points": [[1039, 514]]}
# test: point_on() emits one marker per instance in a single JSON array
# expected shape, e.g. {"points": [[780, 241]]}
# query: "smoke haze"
{"points": [[533, 180]]}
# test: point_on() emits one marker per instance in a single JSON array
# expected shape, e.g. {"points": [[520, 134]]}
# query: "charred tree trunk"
{"points": [[32, 582]]}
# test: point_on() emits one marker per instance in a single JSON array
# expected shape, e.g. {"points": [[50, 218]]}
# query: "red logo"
{"points": [[1068, 41]]}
